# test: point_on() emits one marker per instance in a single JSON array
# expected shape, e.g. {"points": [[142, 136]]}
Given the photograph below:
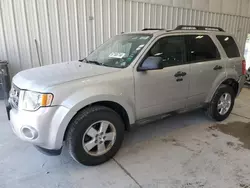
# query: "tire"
{"points": [[79, 129], [212, 111]]}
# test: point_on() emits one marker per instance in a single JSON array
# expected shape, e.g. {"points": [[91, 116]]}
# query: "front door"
{"points": [[164, 90]]}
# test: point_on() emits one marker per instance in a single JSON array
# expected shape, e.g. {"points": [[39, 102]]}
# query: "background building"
{"points": [[52, 31]]}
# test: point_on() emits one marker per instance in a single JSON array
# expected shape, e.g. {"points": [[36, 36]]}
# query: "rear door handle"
{"points": [[180, 73], [179, 79], [217, 67]]}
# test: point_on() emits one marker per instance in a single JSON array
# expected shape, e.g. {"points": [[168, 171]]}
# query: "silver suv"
{"points": [[88, 104]]}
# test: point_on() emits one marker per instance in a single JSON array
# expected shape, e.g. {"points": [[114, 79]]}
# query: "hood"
{"points": [[38, 79]]}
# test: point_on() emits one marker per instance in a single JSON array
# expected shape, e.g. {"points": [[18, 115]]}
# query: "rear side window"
{"points": [[201, 48], [229, 46]]}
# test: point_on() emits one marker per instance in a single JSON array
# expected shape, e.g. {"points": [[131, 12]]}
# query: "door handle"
{"points": [[180, 73], [217, 67], [179, 79]]}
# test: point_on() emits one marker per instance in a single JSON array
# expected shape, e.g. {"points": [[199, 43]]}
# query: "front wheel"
{"points": [[95, 135], [222, 103]]}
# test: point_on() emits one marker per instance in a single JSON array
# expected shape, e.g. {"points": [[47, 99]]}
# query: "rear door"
{"points": [[206, 64], [232, 51]]}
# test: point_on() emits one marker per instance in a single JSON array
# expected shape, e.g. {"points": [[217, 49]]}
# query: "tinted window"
{"points": [[171, 49], [201, 48], [229, 46]]}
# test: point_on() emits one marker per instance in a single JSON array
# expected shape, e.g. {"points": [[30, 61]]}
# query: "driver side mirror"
{"points": [[151, 63]]}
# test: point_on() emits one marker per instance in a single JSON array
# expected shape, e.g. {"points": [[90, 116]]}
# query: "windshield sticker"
{"points": [[144, 37], [129, 59], [117, 55]]}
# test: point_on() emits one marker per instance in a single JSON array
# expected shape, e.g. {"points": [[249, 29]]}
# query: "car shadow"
{"points": [[161, 128]]}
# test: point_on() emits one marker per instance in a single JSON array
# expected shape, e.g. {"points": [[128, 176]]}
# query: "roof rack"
{"points": [[148, 29], [191, 27]]}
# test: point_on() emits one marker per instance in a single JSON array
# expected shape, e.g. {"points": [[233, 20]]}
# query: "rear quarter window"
{"points": [[229, 46]]}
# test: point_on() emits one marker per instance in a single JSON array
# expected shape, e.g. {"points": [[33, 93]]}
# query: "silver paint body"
{"points": [[142, 94]]}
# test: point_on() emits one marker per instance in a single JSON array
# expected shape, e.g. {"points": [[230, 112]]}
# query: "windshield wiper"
{"points": [[84, 59], [90, 61], [95, 62]]}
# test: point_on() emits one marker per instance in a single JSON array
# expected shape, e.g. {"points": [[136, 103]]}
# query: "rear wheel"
{"points": [[95, 135], [222, 103]]}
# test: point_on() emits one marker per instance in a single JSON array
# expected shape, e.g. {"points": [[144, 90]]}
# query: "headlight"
{"points": [[33, 100]]}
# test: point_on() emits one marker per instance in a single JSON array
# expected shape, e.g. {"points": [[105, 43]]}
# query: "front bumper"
{"points": [[42, 127]]}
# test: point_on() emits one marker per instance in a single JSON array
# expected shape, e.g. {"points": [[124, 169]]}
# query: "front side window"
{"points": [[201, 48], [229, 46], [119, 51], [171, 50]]}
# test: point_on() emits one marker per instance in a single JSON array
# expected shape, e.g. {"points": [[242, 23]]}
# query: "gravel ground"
{"points": [[185, 151]]}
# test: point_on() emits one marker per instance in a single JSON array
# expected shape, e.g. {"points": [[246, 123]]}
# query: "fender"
{"points": [[87, 96], [229, 74]]}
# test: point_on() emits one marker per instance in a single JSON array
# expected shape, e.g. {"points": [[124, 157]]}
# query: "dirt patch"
{"points": [[215, 135], [220, 153], [230, 144], [239, 130], [193, 184], [166, 140]]}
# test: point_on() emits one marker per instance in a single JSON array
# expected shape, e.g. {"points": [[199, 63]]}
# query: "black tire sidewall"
{"points": [[221, 90], [81, 126]]}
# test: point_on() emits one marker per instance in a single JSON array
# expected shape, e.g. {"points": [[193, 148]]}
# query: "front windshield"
{"points": [[119, 51]]}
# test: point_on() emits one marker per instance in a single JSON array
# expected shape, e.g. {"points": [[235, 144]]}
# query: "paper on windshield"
{"points": [[117, 55]]}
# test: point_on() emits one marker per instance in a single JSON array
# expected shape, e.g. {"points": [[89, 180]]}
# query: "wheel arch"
{"points": [[124, 110], [231, 81], [118, 108]]}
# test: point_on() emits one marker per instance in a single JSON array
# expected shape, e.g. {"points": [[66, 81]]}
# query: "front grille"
{"points": [[14, 96]]}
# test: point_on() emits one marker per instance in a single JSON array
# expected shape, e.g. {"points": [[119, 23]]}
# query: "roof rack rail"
{"points": [[190, 27], [148, 29]]}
